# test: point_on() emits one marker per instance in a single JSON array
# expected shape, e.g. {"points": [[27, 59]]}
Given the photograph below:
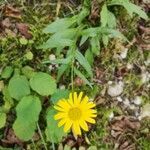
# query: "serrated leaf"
{"points": [[89, 56], [53, 132], [105, 39], [7, 72], [61, 70], [2, 119], [112, 22], [79, 74], [130, 7], [95, 45], [43, 84], [60, 25], [84, 63], [60, 39], [18, 87], [60, 61], [104, 16], [59, 94], [82, 15], [28, 110]]}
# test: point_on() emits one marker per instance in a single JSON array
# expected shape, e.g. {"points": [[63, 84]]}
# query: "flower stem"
{"points": [[42, 138], [33, 144]]}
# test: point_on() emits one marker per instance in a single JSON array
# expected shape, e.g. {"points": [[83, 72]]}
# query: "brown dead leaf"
{"points": [[78, 81], [10, 138], [10, 11], [24, 30], [6, 23]]}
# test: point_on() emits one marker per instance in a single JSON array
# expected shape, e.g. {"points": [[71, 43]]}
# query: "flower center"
{"points": [[74, 113]]}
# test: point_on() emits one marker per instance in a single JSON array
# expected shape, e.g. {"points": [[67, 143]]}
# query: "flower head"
{"points": [[75, 112]]}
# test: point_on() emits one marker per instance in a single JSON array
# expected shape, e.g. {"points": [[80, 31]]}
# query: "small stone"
{"points": [[111, 116], [50, 67], [147, 62], [132, 107], [62, 87], [137, 100], [126, 102], [124, 53], [110, 82], [52, 57], [119, 99], [116, 89], [145, 77], [145, 111], [129, 66]]}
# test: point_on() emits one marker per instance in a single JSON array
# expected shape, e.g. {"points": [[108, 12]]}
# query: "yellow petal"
{"points": [[59, 108], [76, 102], [80, 96], [62, 122], [76, 128], [70, 101], [68, 125], [90, 105], [83, 125], [60, 115], [85, 100], [90, 120], [64, 104]]}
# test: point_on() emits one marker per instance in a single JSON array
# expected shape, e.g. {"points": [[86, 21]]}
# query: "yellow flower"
{"points": [[75, 112]]}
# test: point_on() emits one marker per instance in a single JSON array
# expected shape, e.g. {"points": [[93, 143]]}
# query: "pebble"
{"points": [[126, 102], [129, 66], [145, 77], [52, 57], [62, 87], [111, 116], [116, 89], [119, 99], [124, 53], [137, 100]]}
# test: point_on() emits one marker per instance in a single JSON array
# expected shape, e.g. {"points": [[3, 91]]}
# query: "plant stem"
{"points": [[33, 144], [53, 146], [42, 138], [72, 74]]}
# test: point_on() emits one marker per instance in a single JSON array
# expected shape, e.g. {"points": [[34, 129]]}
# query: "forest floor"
{"points": [[121, 81]]}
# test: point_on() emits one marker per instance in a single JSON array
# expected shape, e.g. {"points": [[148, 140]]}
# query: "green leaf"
{"points": [[82, 15], [60, 61], [105, 39], [18, 87], [60, 25], [61, 70], [78, 73], [130, 7], [53, 132], [23, 41], [104, 16], [89, 56], [92, 148], [112, 22], [2, 119], [28, 71], [7, 72], [84, 63], [43, 84], [59, 94], [7, 99], [60, 39], [90, 32], [95, 45], [28, 111]]}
